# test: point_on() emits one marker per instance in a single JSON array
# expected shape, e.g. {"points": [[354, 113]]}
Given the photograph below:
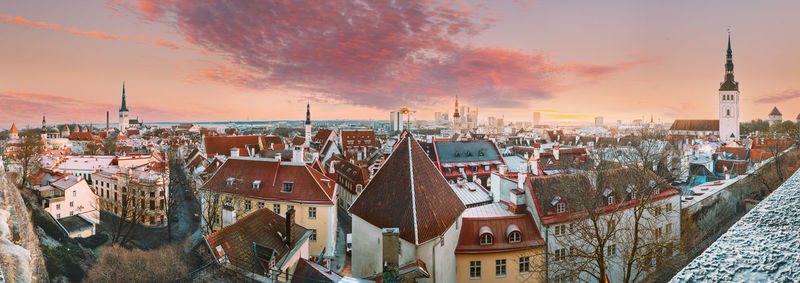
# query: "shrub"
{"points": [[65, 260], [93, 241], [49, 226]]}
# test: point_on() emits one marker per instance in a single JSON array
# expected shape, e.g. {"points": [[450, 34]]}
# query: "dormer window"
{"points": [[486, 239], [474, 168], [485, 235], [610, 200], [480, 153], [287, 187], [230, 181], [560, 207], [514, 237], [256, 184], [458, 154]]}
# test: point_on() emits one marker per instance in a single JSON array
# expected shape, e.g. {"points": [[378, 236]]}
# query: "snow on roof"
{"points": [[702, 191], [85, 162], [496, 209], [763, 246], [471, 193]]}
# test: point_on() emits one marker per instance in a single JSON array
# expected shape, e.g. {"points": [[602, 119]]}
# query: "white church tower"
{"points": [[729, 101], [307, 143], [123, 112]]}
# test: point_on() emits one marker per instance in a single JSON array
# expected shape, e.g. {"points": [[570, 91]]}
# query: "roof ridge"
{"points": [[413, 196]]}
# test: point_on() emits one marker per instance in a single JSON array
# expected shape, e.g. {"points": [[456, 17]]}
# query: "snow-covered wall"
{"points": [[763, 246], [20, 257]]}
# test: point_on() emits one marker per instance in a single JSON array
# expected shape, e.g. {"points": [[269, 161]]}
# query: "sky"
{"points": [[184, 60]]}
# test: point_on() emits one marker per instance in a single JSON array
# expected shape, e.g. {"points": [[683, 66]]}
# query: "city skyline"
{"points": [[504, 58]]}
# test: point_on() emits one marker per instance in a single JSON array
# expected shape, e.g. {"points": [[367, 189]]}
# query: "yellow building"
{"points": [[243, 185], [141, 192], [499, 243]]}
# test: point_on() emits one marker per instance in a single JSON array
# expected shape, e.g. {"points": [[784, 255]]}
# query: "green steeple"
{"points": [[123, 107]]}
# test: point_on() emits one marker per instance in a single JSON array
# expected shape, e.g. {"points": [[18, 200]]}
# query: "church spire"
{"points": [[308, 114], [729, 84], [123, 107], [456, 114]]}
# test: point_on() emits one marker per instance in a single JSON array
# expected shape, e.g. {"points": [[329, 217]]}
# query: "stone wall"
{"points": [[20, 257], [703, 222]]}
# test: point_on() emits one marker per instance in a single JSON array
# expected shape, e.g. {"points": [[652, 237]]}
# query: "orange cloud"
{"points": [[95, 34]]}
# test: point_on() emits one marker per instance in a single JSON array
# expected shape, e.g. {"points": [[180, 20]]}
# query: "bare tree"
{"points": [[118, 264], [109, 146], [212, 198], [132, 210], [27, 154]]}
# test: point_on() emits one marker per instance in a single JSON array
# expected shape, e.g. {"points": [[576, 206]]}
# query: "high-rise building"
{"points": [[500, 123], [492, 121], [123, 112], [537, 118], [396, 121], [729, 101], [598, 121]]}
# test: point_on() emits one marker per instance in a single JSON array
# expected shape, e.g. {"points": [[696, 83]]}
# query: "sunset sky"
{"points": [[187, 60]]}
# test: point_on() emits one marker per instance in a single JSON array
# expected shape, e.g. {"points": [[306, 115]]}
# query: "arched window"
{"points": [[485, 235], [486, 239], [514, 237], [728, 111]]}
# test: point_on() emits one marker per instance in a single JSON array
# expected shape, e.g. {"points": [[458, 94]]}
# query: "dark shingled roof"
{"points": [[308, 271], [775, 111], [260, 227], [469, 151], [409, 193], [695, 125]]}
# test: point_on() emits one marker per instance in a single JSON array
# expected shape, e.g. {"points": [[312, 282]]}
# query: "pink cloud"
{"points": [[779, 97], [61, 109], [371, 53], [95, 34]]}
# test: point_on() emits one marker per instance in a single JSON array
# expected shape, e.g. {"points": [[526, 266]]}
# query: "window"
{"points": [[658, 233], [560, 207], [474, 168], [487, 168], [474, 270], [312, 213], [358, 189], [313, 237], [71, 204], [611, 250], [260, 204], [669, 207], [247, 205], [559, 230], [287, 187], [657, 211], [633, 194], [610, 200], [58, 215], [276, 208], [514, 237], [668, 229], [152, 204], [500, 268], [58, 206], [486, 239], [448, 170], [727, 112], [229, 181], [525, 264], [560, 254], [74, 193], [256, 184]]}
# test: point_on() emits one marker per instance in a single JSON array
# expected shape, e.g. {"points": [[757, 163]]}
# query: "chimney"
{"points": [[460, 181], [534, 167], [502, 169], [556, 150], [234, 152], [537, 149], [107, 125], [521, 180], [391, 248], [315, 155], [332, 167], [517, 201], [297, 154], [523, 166], [289, 224], [278, 157], [364, 149]]}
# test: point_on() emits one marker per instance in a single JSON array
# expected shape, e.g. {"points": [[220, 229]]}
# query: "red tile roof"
{"points": [[353, 140], [469, 239], [220, 145], [409, 193], [309, 186], [695, 125], [298, 140], [82, 136], [14, 129], [322, 135], [260, 227]]}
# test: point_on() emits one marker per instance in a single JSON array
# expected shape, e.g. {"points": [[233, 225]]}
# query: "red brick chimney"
{"points": [[289, 224]]}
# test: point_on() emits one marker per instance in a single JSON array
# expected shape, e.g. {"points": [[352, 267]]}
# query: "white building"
{"points": [[396, 121], [408, 193], [70, 200], [123, 113]]}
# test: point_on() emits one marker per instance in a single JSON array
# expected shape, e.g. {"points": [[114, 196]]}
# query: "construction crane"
{"points": [[407, 112]]}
